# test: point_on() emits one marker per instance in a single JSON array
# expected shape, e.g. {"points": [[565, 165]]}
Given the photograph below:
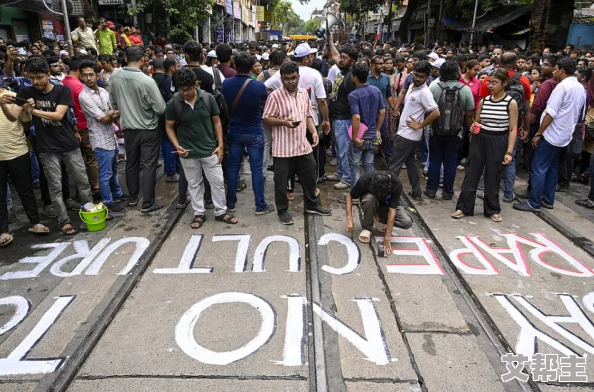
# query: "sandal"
{"points": [[458, 214], [227, 218], [198, 221], [241, 186], [496, 218], [5, 239], [365, 237], [68, 230], [38, 229]]}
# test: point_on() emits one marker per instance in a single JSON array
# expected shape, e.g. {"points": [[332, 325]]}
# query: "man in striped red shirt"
{"points": [[288, 111]]}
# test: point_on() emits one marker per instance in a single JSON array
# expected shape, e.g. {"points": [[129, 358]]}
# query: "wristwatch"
{"points": [[538, 135]]}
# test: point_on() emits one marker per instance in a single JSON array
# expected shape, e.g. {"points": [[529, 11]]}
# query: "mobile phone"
{"points": [[22, 51], [296, 123], [20, 101]]}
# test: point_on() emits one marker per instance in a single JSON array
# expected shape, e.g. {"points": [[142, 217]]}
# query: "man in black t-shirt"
{"points": [[379, 192], [340, 111], [57, 141], [195, 58]]}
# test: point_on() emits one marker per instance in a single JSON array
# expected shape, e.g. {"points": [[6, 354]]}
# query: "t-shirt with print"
{"points": [[339, 101], [52, 136], [466, 97], [392, 199], [195, 131]]}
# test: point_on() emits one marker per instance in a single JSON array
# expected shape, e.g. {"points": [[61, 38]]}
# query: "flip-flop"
{"points": [[458, 215], [226, 218], [365, 236], [496, 218], [5, 239], [68, 231], [241, 186], [38, 229]]}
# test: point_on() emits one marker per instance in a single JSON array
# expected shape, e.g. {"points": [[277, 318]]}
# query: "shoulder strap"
{"points": [[444, 86], [206, 100], [239, 94], [217, 77], [177, 108], [266, 74], [517, 76]]}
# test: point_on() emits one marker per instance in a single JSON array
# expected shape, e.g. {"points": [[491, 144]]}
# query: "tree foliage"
{"points": [[188, 13], [311, 26], [282, 12], [358, 8]]}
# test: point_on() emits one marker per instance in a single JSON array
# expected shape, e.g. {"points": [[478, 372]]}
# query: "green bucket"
{"points": [[95, 221]]}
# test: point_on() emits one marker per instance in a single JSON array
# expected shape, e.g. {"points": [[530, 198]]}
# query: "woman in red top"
{"points": [[135, 37]]}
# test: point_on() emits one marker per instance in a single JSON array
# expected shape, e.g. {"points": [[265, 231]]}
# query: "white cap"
{"points": [[303, 50], [212, 54], [265, 56], [274, 46], [438, 63], [433, 56], [258, 57]]}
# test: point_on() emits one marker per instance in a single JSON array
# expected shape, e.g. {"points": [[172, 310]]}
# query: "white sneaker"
{"points": [[341, 185]]}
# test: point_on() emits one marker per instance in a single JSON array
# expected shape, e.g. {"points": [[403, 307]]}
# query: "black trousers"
{"points": [[19, 170], [305, 167], [319, 154], [142, 146], [486, 153]]}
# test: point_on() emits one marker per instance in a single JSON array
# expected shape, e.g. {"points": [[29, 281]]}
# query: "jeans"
{"points": [[443, 150], [34, 166], [340, 134], [52, 166], [365, 153], [213, 170], [544, 173], [20, 172], [509, 175], [108, 174], [255, 148], [142, 146], [169, 159]]}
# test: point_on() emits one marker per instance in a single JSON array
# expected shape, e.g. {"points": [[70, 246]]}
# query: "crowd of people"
{"points": [[289, 106]]}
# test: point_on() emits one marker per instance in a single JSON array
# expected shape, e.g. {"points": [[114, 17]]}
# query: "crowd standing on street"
{"points": [[199, 109]]}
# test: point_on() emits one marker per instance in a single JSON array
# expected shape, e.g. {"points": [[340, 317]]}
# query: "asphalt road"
{"points": [[150, 304]]}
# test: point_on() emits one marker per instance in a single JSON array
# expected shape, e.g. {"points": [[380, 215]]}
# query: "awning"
{"points": [[492, 19]]}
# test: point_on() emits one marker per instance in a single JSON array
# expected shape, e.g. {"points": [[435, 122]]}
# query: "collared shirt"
{"points": [[383, 84], [541, 98], [85, 37], [566, 105], [107, 41], [417, 103], [289, 142], [95, 105]]}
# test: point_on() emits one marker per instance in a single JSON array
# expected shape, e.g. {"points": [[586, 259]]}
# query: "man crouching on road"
{"points": [[192, 121], [379, 192]]}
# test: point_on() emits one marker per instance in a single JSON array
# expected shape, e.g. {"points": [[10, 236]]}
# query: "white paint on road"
{"points": [[186, 264], [294, 253], [353, 253], [21, 309]]}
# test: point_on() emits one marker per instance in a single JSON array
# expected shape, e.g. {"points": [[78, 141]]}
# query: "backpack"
{"points": [[515, 89], [217, 78], [266, 74], [451, 118], [177, 106]]}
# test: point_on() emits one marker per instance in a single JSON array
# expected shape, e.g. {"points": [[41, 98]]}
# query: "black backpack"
{"points": [[515, 89], [451, 114]]}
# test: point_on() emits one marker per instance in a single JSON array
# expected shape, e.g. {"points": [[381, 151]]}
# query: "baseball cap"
{"points": [[265, 56], [258, 57], [438, 63], [110, 24], [303, 50], [433, 56], [212, 54], [274, 46]]}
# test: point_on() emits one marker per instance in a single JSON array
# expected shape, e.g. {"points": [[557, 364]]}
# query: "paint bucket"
{"points": [[95, 221]]}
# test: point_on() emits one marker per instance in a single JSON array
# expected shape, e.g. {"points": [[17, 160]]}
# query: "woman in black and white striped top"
{"points": [[491, 149]]}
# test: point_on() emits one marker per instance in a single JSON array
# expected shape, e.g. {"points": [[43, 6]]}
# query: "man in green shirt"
{"points": [[194, 128], [106, 37]]}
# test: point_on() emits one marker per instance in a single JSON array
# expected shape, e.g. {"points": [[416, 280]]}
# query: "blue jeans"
{"points": [[34, 166], [386, 140], [543, 175], [509, 175], [340, 136], [364, 153], [255, 148], [169, 159], [108, 174], [443, 150]]}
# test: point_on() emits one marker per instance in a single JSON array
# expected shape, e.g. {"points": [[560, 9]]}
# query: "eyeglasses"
{"points": [[290, 80], [88, 76], [493, 83]]}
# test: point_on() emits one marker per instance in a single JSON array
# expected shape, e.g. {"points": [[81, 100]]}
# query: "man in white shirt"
{"points": [[84, 35], [420, 110], [565, 108], [210, 67]]}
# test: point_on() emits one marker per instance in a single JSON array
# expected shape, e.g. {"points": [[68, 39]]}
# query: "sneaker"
{"points": [[333, 177], [268, 209], [546, 205], [586, 203], [321, 179], [116, 209], [11, 216], [132, 202], [341, 185], [526, 207], [447, 196], [319, 210], [182, 203], [118, 199], [97, 198], [562, 188], [414, 197], [506, 200], [172, 177], [285, 218], [430, 194], [334, 162], [72, 205], [156, 206], [50, 211], [523, 193]]}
